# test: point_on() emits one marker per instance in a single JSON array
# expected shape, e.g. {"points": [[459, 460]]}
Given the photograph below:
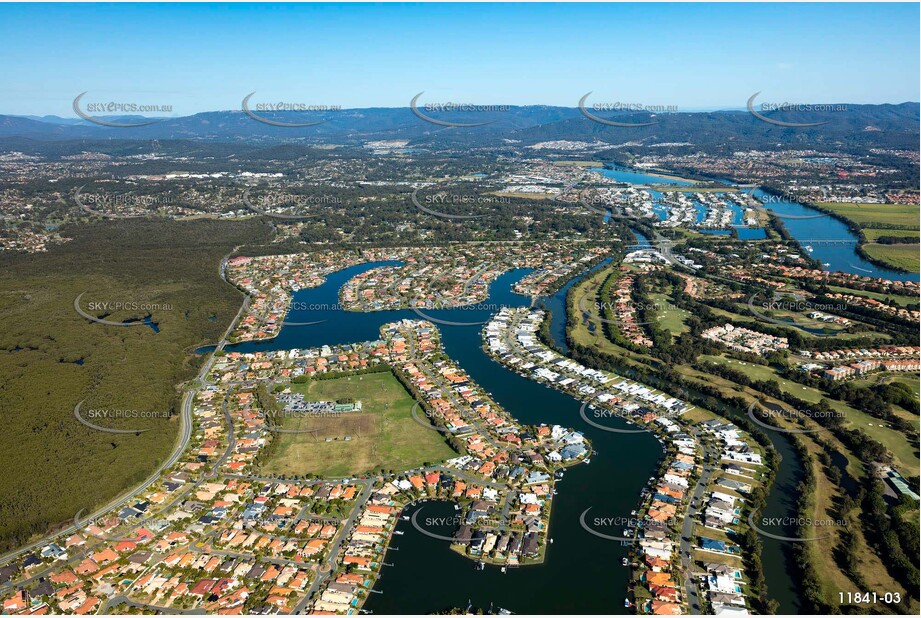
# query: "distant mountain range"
{"points": [[858, 127]]}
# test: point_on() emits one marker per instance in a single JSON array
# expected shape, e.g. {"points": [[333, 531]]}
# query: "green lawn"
{"points": [[906, 456], [382, 435], [762, 372], [868, 214], [902, 256], [888, 377], [585, 296], [910, 381], [874, 233], [670, 317]]}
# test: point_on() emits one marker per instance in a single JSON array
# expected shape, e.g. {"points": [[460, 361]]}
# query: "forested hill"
{"points": [[846, 127]]}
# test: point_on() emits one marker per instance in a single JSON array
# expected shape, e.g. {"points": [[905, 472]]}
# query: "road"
{"points": [[185, 433], [462, 408], [156, 609], [336, 546], [687, 529], [475, 276]]}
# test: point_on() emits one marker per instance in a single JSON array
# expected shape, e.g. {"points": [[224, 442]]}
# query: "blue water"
{"points": [[776, 555], [751, 233], [840, 257], [610, 486], [147, 321], [624, 175], [642, 242], [585, 567], [657, 206], [700, 208], [556, 304]]}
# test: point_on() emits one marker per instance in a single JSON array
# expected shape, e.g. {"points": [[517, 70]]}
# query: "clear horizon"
{"points": [[206, 57]]}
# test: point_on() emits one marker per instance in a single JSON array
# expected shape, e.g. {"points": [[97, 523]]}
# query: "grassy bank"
{"points": [[904, 257]]}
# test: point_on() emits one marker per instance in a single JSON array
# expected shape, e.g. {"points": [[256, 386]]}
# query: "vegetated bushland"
{"points": [[51, 358]]}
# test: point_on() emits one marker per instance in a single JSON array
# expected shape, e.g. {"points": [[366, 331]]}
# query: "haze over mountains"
{"points": [[858, 126]]}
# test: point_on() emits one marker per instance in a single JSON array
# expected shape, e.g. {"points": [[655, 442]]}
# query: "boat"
{"points": [[551, 540], [405, 518], [588, 461], [503, 570], [480, 565], [808, 248], [400, 532], [456, 507], [625, 562], [826, 264]]}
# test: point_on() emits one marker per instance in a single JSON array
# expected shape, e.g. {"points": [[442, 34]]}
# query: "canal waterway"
{"points": [[582, 572], [821, 236]]}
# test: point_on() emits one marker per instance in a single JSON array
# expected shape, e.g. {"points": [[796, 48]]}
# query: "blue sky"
{"points": [[198, 57]]}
